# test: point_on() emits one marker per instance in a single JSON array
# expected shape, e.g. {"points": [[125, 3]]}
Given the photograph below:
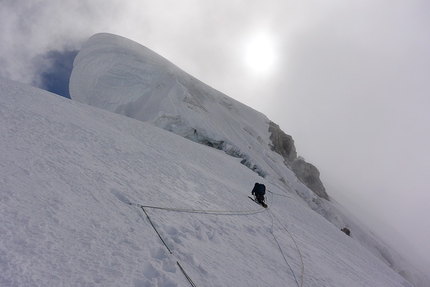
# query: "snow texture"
{"points": [[73, 179]]}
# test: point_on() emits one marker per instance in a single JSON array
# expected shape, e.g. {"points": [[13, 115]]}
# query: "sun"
{"points": [[260, 53]]}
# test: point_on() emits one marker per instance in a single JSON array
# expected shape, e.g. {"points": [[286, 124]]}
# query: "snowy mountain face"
{"points": [[119, 75], [89, 197]]}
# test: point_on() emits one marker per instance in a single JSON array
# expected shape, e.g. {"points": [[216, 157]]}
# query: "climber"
{"points": [[259, 191]]}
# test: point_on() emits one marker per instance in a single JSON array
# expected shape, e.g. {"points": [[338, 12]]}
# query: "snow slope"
{"points": [[121, 76], [68, 172]]}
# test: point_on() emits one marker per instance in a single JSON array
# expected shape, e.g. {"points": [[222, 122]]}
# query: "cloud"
{"points": [[33, 27], [54, 70], [202, 38], [355, 102]]}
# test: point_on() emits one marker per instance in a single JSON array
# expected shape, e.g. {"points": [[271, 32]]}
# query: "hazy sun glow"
{"points": [[260, 53]]}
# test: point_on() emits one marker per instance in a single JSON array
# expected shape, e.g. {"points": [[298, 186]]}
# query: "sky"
{"points": [[347, 80]]}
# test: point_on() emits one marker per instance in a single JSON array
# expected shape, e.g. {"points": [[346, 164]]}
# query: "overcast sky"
{"points": [[349, 80]]}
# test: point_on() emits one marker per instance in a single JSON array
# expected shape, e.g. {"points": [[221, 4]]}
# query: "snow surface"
{"points": [[68, 172], [122, 76]]}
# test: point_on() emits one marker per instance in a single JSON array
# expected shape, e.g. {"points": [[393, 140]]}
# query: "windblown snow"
{"points": [[89, 197]]}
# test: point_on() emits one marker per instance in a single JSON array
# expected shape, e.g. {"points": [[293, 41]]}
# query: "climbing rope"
{"points": [[177, 262], [218, 212], [215, 212], [282, 252], [287, 196], [227, 212], [186, 275], [291, 197], [153, 226], [297, 247], [279, 246], [284, 195]]}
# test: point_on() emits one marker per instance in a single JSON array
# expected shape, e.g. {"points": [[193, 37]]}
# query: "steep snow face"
{"points": [[121, 76], [68, 173]]}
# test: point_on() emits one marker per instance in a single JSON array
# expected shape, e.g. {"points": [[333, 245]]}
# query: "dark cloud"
{"points": [[54, 69]]}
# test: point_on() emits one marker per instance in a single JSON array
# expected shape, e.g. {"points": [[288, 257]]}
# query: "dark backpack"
{"points": [[259, 190], [262, 189]]}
